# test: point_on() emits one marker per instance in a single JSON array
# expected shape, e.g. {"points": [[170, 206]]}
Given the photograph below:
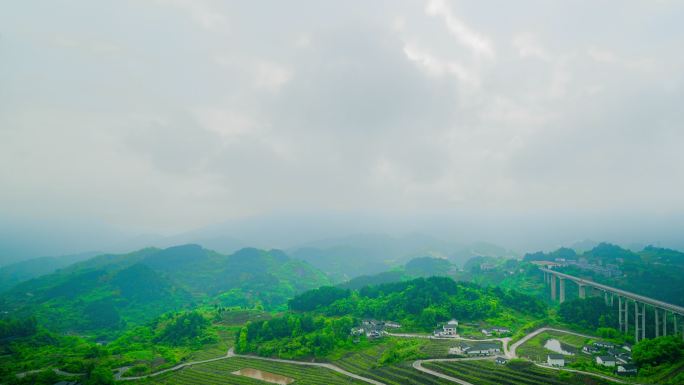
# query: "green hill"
{"points": [[109, 292]]}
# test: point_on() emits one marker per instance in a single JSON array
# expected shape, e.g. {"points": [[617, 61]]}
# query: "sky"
{"points": [[164, 116]]}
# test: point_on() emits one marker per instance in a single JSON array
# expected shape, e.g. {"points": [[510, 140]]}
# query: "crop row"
{"points": [[219, 373], [397, 374], [487, 373], [437, 348]]}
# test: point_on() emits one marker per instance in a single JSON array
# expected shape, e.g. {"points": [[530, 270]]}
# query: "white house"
{"points": [[391, 324], [500, 361], [487, 332], [451, 328], [605, 360], [555, 360]]}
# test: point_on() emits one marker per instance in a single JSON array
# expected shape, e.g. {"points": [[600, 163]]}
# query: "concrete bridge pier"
{"points": [[639, 327], [582, 291], [622, 314], [657, 325], [562, 290], [553, 287], [626, 319]]}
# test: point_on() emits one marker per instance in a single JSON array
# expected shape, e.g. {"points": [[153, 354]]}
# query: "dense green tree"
{"points": [[183, 329], [427, 266], [589, 313], [12, 328], [99, 375], [312, 299], [658, 351]]}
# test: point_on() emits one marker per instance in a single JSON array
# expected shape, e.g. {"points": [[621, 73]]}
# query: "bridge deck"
{"points": [[622, 293]]}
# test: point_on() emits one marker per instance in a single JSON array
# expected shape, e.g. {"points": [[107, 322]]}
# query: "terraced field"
{"points": [[219, 373], [437, 348], [396, 374], [488, 373], [226, 337]]}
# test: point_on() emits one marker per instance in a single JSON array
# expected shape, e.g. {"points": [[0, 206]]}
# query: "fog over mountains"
{"points": [[285, 125], [396, 236]]}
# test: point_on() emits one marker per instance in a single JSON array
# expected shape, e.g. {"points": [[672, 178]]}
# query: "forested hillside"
{"points": [[109, 292], [320, 319]]}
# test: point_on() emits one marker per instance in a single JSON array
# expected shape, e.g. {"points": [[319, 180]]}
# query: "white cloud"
{"points": [[322, 107], [437, 67], [202, 12], [528, 46], [271, 76], [478, 43], [230, 125]]}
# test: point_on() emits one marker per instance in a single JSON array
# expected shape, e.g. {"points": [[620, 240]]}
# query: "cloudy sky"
{"points": [[169, 115]]}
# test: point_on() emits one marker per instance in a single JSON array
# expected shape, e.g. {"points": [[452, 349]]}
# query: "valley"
{"points": [[190, 315]]}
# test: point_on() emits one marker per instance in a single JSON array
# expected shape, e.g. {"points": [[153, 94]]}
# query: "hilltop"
{"points": [[108, 292]]}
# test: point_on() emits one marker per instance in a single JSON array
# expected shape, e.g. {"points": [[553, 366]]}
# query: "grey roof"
{"points": [[607, 358], [485, 346], [556, 356]]}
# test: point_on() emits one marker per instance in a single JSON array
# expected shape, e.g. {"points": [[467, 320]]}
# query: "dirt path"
{"points": [[119, 375]]}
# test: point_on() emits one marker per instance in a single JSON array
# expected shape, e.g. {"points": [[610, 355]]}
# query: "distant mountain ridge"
{"points": [[17, 272], [112, 290], [367, 254]]}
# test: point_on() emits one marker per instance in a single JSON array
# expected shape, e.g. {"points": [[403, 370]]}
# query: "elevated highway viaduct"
{"points": [[665, 313]]}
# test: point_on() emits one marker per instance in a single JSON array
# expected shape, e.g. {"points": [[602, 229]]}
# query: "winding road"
{"points": [[119, 372], [509, 352], [418, 365]]}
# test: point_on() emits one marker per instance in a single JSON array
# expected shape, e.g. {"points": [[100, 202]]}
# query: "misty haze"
{"points": [[386, 192]]}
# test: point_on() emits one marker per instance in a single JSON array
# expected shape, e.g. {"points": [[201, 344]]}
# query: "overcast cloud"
{"points": [[168, 115]]}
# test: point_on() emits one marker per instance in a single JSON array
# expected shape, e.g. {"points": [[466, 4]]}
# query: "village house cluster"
{"points": [[373, 328], [476, 349], [610, 355], [605, 354], [496, 330]]}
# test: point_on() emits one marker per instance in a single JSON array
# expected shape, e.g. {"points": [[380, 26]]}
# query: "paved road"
{"points": [[512, 354], [118, 373], [418, 365], [613, 379], [57, 371], [231, 353], [504, 341], [322, 365]]}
